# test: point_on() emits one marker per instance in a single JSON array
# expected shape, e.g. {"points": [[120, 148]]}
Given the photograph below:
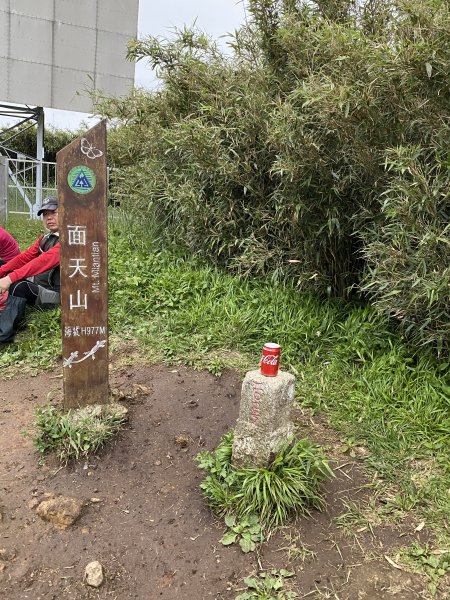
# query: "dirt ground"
{"points": [[149, 525]]}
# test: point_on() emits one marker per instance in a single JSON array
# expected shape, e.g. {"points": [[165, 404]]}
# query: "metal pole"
{"points": [[39, 157], [3, 189]]}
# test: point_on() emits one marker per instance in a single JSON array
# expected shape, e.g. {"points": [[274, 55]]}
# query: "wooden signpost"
{"points": [[82, 187]]}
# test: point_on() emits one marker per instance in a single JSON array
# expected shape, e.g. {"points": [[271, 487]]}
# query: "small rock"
{"points": [[118, 410], [140, 390], [182, 440], [167, 488], [61, 511], [93, 574]]}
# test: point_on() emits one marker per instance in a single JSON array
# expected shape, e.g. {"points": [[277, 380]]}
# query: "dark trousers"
{"points": [[21, 293], [25, 289]]}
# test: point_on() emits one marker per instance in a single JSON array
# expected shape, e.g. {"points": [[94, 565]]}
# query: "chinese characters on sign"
{"points": [[76, 235], [84, 294]]}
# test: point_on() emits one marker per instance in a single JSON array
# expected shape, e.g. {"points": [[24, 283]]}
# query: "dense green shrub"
{"points": [[281, 157], [408, 256]]}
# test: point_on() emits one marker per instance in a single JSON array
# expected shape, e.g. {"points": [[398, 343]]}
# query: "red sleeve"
{"points": [[39, 264], [21, 259], [9, 248]]}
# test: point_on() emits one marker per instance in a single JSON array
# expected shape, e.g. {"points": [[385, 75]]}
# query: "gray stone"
{"points": [[264, 422], [93, 574]]}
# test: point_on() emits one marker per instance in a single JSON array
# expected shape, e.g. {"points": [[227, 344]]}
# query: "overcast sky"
{"points": [[159, 18]]}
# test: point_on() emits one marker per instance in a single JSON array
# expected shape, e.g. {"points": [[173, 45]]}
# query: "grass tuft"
{"points": [[289, 486], [78, 433]]}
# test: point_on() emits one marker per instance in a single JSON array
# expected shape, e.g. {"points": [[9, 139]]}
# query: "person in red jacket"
{"points": [[32, 277], [9, 248]]}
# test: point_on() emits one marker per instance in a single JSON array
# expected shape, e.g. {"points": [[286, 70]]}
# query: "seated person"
{"points": [[32, 277], [9, 248]]}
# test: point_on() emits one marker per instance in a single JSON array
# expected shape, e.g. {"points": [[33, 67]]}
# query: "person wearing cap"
{"points": [[32, 277], [9, 248]]}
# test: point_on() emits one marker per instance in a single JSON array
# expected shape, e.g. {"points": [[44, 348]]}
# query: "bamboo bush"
{"points": [[281, 157]]}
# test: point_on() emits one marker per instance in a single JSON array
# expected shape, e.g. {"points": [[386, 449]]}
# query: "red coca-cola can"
{"points": [[270, 360]]}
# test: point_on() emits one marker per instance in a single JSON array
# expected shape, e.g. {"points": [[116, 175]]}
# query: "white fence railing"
{"points": [[20, 192]]}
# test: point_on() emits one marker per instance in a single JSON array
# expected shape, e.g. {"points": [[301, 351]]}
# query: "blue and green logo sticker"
{"points": [[81, 179]]}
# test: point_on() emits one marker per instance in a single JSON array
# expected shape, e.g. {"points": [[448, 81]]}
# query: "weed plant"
{"points": [[246, 531], [435, 564], [268, 585], [289, 486], [76, 434]]}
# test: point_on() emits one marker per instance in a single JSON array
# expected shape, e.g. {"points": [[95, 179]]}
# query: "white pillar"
{"points": [[39, 157], [3, 189]]}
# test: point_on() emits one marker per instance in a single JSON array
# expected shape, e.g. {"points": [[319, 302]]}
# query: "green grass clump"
{"points": [[76, 434], [289, 486]]}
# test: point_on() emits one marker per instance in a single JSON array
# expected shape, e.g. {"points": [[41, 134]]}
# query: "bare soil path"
{"points": [[148, 524]]}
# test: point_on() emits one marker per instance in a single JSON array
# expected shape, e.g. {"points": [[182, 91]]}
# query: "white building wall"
{"points": [[53, 51]]}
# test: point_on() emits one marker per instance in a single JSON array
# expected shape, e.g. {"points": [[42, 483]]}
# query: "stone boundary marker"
{"points": [[264, 421]]}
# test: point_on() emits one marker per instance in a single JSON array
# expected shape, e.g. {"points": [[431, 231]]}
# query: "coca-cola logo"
{"points": [[270, 359]]}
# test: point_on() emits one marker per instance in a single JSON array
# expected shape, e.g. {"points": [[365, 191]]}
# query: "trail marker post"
{"points": [[82, 187]]}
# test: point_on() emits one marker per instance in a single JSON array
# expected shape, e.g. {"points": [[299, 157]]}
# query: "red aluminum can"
{"points": [[270, 360]]}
